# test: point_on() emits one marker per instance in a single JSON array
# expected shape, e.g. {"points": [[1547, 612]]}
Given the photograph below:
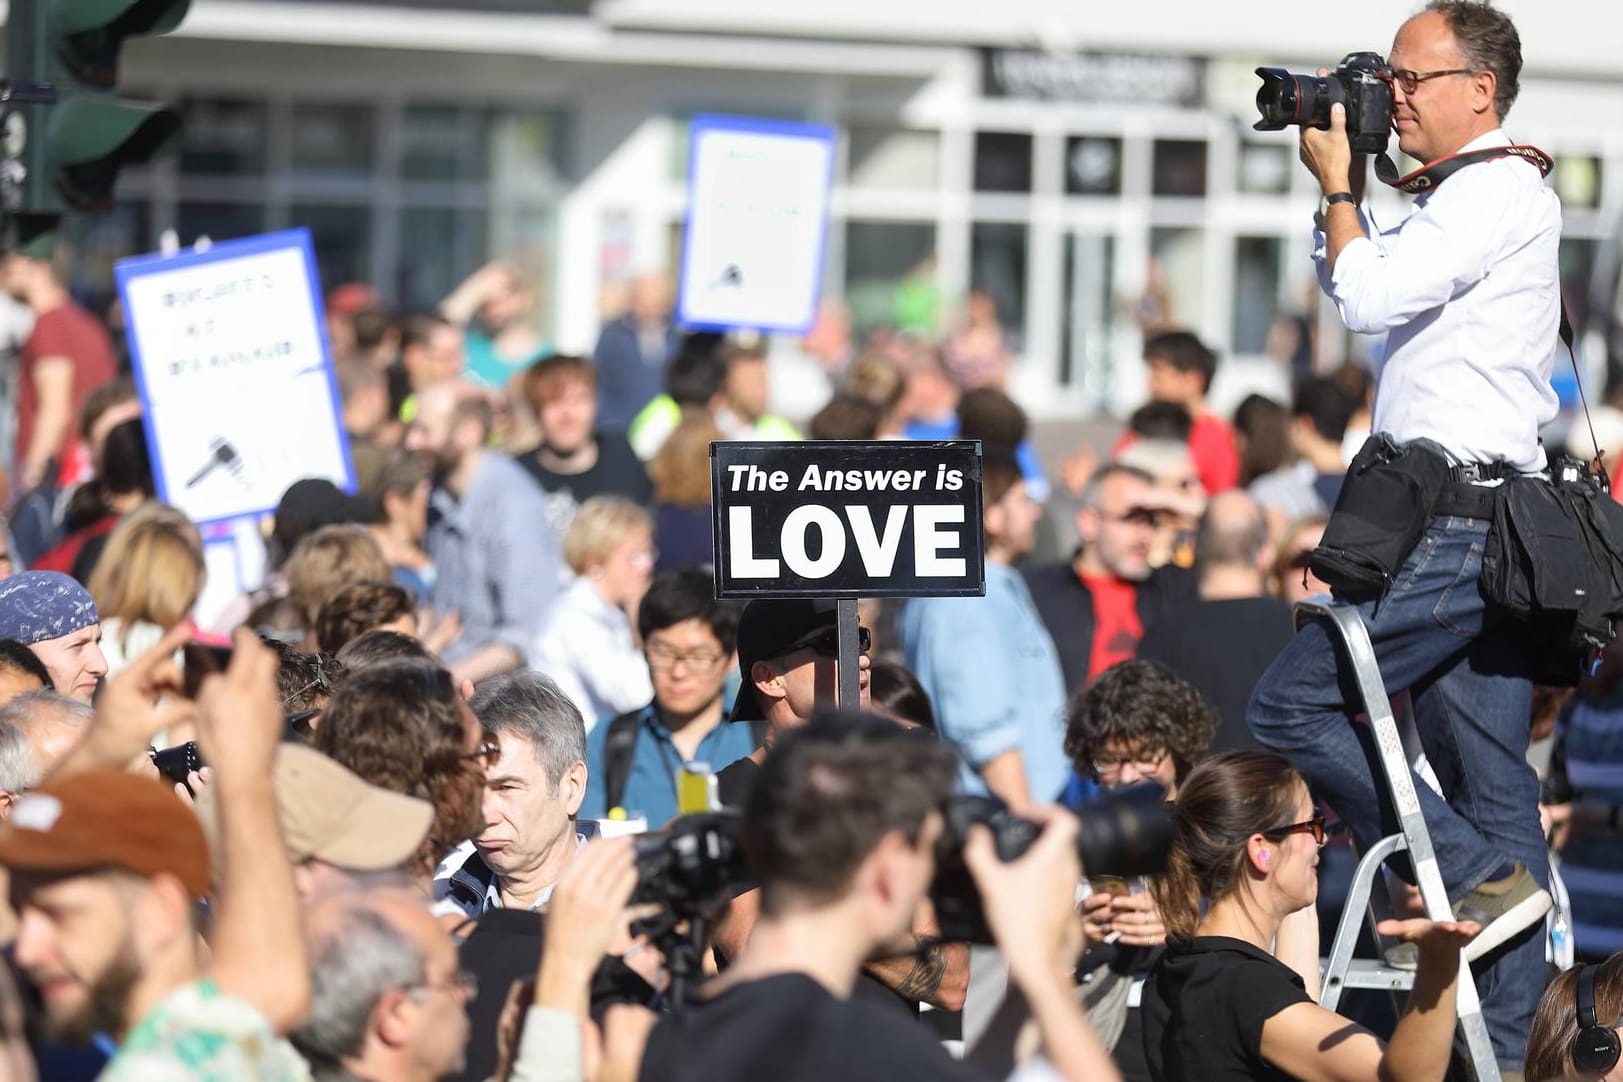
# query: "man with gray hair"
{"points": [[1225, 640], [388, 999], [51, 723], [533, 794], [17, 773]]}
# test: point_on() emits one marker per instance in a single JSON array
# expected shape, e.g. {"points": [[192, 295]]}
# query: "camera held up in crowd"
{"points": [[1362, 82], [691, 868], [1124, 834]]}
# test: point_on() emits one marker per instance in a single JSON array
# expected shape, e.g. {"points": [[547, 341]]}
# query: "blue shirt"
{"points": [[651, 782], [496, 560], [994, 677]]}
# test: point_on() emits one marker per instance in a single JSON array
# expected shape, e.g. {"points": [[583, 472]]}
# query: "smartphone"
{"points": [[199, 660], [1113, 885], [696, 790]]}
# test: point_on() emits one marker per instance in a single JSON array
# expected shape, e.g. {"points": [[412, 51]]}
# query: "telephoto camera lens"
{"points": [[1123, 834]]}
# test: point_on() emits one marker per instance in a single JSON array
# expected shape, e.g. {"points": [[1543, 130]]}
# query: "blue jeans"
{"points": [[1466, 671]]}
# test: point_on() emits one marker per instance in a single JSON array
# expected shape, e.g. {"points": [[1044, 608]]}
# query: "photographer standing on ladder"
{"points": [[1467, 287]]}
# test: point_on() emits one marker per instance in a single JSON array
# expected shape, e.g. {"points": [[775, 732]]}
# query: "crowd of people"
{"points": [[373, 822]]}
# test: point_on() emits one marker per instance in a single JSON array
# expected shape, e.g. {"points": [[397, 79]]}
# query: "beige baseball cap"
{"points": [[328, 813]]}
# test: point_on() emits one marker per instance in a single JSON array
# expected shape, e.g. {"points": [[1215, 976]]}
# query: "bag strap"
{"points": [[619, 746], [1565, 332]]}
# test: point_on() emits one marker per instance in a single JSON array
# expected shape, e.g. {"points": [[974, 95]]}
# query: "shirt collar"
{"points": [[1495, 138]]}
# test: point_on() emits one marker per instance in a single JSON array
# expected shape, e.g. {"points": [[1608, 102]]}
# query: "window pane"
{"points": [[527, 237], [1264, 170], [1180, 167], [1092, 166], [997, 267], [889, 159], [1089, 311], [1177, 277], [526, 151], [440, 143], [343, 241], [1577, 180], [218, 221], [1002, 162], [428, 263], [889, 276], [332, 142], [223, 138], [1257, 263]]}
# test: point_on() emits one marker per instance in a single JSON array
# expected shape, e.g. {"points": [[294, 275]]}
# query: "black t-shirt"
{"points": [[735, 780], [1222, 648], [617, 472], [790, 1029], [733, 785], [1203, 1009]]}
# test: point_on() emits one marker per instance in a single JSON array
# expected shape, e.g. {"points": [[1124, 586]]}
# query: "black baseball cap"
{"points": [[770, 628], [312, 503]]}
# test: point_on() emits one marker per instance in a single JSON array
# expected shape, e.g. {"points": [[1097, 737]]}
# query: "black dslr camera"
{"points": [[690, 871], [1124, 834], [1362, 82], [692, 867]]}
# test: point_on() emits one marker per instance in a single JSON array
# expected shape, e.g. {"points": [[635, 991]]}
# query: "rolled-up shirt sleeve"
{"points": [[1442, 249], [969, 679]]}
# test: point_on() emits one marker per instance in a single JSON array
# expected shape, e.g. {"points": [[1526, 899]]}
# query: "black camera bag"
{"points": [[1554, 559], [1383, 510]]}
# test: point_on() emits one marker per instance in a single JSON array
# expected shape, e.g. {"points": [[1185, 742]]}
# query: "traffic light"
{"points": [[65, 132]]}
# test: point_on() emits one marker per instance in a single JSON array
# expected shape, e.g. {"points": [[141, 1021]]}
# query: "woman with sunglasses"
{"points": [[1222, 1003]]}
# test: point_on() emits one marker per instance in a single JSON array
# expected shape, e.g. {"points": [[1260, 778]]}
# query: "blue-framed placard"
{"points": [[757, 224], [231, 359]]}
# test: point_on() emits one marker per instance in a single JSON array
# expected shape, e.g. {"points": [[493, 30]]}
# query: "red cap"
{"points": [[106, 819]]}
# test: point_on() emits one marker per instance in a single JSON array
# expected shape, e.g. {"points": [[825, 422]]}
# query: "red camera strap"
{"points": [[1431, 174]]}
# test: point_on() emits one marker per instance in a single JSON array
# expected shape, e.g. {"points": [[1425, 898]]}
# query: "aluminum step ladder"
{"points": [[1341, 970]]}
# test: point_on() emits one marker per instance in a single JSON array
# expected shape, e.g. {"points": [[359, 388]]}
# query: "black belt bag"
{"points": [[1554, 558], [1385, 505]]}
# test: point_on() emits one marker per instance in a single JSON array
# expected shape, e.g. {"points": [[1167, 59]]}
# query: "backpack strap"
{"points": [[619, 746]]}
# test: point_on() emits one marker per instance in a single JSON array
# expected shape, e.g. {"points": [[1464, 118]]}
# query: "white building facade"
{"points": [[1090, 169]]}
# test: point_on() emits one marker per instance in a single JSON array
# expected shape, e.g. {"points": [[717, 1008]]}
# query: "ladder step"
{"points": [[1369, 973]]}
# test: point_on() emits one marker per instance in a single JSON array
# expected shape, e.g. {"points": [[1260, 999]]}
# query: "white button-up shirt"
{"points": [[1468, 289]]}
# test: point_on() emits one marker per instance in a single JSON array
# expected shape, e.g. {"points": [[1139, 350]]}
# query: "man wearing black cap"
{"points": [[787, 651]]}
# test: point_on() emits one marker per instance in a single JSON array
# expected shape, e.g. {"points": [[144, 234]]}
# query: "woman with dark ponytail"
{"points": [[1233, 997]]}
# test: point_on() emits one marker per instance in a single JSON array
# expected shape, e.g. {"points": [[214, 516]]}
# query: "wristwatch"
{"points": [[1337, 197]]}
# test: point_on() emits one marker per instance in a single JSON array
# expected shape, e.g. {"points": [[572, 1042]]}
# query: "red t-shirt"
{"points": [[1116, 627], [1211, 449], [65, 331], [1211, 445]]}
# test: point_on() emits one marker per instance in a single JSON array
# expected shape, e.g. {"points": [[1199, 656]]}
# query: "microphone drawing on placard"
{"points": [[732, 275], [221, 453]]}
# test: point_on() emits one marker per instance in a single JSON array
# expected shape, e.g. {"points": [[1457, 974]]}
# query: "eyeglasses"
{"points": [[463, 983], [1138, 516], [1313, 826], [1106, 768], [663, 660], [1410, 80], [485, 755], [827, 643]]}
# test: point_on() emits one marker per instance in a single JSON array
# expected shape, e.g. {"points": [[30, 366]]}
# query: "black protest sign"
{"points": [[838, 518]]}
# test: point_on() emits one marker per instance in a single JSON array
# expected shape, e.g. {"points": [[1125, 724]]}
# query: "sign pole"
{"points": [[848, 690]]}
